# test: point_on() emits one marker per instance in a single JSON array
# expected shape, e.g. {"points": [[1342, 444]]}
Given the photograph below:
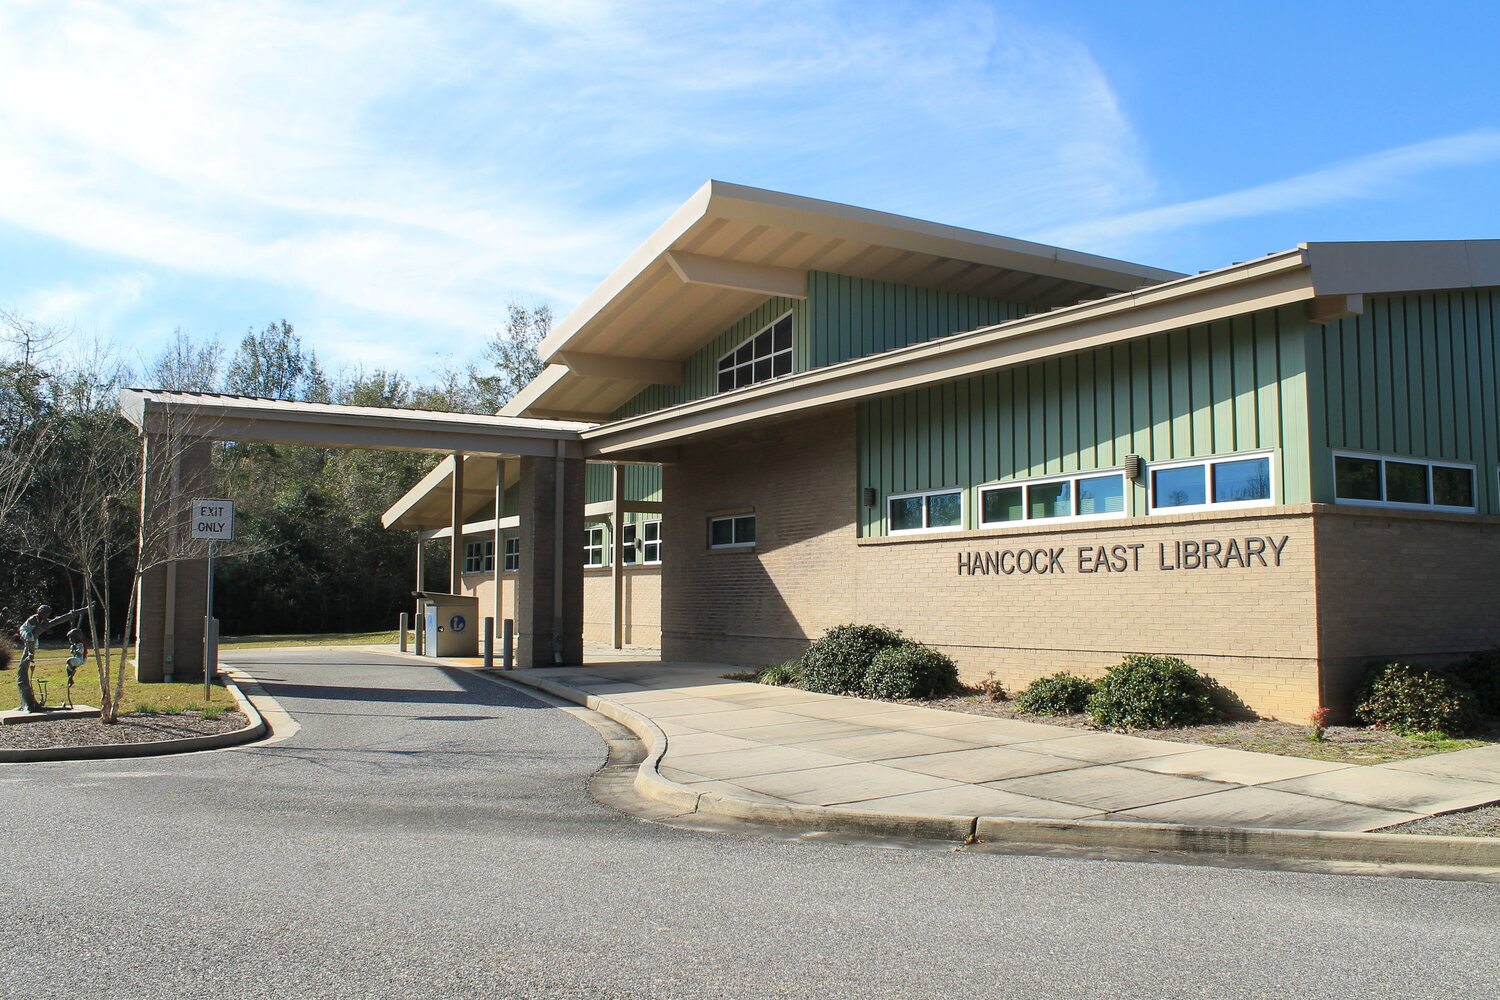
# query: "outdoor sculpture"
{"points": [[31, 630], [78, 652]]}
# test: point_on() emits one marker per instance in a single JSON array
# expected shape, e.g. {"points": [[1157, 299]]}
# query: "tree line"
{"points": [[313, 556]]}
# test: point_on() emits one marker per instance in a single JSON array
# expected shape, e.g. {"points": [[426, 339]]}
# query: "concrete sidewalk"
{"points": [[751, 743]]}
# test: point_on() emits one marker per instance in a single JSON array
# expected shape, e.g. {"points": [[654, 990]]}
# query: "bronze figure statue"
{"points": [[31, 630]]}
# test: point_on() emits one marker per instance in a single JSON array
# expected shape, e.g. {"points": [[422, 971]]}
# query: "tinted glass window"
{"points": [[1101, 495], [1405, 482], [906, 514], [1178, 487], [1356, 478], [1050, 499], [1001, 505], [1248, 479], [945, 510], [721, 531], [1452, 487]]}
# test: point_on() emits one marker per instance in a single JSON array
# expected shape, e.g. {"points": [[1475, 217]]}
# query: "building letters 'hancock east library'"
{"points": [[797, 414]]}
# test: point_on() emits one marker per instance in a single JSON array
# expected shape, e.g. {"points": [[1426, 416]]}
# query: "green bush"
{"points": [[1059, 694], [1151, 692], [783, 674], [910, 671], [837, 660], [1482, 673], [1410, 698]]}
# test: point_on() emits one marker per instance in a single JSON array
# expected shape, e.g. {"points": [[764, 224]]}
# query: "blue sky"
{"points": [[388, 175]]}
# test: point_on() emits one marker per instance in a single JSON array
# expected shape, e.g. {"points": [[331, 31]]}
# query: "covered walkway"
{"points": [[543, 457]]}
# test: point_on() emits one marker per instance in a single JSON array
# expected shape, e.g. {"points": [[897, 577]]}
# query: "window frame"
{"points": [[1208, 461], [926, 529], [789, 351], [732, 544], [1072, 478], [1333, 461], [480, 555], [511, 555], [636, 544], [589, 545]]}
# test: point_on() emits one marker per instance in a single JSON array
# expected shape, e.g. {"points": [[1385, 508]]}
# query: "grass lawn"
{"points": [[309, 639], [51, 666]]}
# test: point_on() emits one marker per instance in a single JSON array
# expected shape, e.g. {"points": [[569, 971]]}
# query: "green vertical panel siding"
{"points": [[1233, 386], [857, 317], [1414, 375], [597, 483], [700, 372]]}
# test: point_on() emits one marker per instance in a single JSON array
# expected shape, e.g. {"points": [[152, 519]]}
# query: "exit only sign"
{"points": [[213, 519]]}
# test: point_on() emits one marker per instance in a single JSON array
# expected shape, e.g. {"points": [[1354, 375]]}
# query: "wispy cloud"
{"points": [[407, 166], [1370, 176]]}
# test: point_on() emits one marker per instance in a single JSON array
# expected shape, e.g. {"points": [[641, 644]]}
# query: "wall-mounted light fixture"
{"points": [[1132, 466], [868, 496]]}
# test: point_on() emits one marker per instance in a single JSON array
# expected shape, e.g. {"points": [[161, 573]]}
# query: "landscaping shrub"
{"points": [[1151, 692], [837, 660], [910, 671], [783, 674], [1410, 698], [1482, 673], [1058, 694], [6, 649]]}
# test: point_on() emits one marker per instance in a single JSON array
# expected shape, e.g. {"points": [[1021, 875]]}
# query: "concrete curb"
{"points": [[157, 748], [1233, 842]]}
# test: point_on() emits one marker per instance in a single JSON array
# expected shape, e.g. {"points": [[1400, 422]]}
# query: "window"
{"points": [[643, 543], [1091, 495], [940, 510], [731, 532], [595, 549], [1377, 481], [479, 557], [512, 555], [766, 355], [1235, 481]]}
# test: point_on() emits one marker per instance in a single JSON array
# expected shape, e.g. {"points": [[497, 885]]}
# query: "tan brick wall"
{"points": [[1252, 628], [642, 606], [642, 603], [1403, 585]]}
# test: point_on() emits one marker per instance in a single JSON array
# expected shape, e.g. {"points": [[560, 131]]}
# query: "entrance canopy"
{"points": [[219, 417]]}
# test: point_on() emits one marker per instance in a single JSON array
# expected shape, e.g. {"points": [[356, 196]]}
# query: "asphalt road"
{"points": [[429, 834]]}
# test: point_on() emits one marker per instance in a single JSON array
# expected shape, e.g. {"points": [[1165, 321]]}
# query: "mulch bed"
{"points": [[132, 728]]}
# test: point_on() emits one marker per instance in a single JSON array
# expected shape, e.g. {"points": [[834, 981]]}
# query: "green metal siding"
{"points": [[1237, 385], [855, 317], [700, 371], [1415, 375], [842, 318]]}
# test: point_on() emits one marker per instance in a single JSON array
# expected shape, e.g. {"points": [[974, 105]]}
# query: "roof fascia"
{"points": [[678, 223], [437, 477], [1266, 283], [1378, 268]]}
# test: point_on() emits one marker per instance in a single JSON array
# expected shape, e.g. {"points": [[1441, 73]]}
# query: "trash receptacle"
{"points": [[452, 625]]}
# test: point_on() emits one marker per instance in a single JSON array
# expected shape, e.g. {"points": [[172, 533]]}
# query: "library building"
{"points": [[781, 414]]}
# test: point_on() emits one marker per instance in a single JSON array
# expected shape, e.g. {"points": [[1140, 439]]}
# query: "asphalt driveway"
{"points": [[428, 833]]}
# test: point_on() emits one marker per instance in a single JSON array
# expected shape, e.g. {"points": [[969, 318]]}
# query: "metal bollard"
{"points": [[420, 631], [508, 645], [489, 644], [402, 630]]}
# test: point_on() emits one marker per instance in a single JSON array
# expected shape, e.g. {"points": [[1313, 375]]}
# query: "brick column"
{"points": [[549, 597], [169, 618]]}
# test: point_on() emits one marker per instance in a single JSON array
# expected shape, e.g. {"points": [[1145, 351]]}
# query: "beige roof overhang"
{"points": [[1331, 278], [729, 247], [223, 417], [428, 504]]}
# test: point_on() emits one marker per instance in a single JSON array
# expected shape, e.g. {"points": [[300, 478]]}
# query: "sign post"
{"points": [[212, 520]]}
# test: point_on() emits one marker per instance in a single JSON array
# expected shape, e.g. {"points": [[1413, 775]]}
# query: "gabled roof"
{"points": [[730, 247]]}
